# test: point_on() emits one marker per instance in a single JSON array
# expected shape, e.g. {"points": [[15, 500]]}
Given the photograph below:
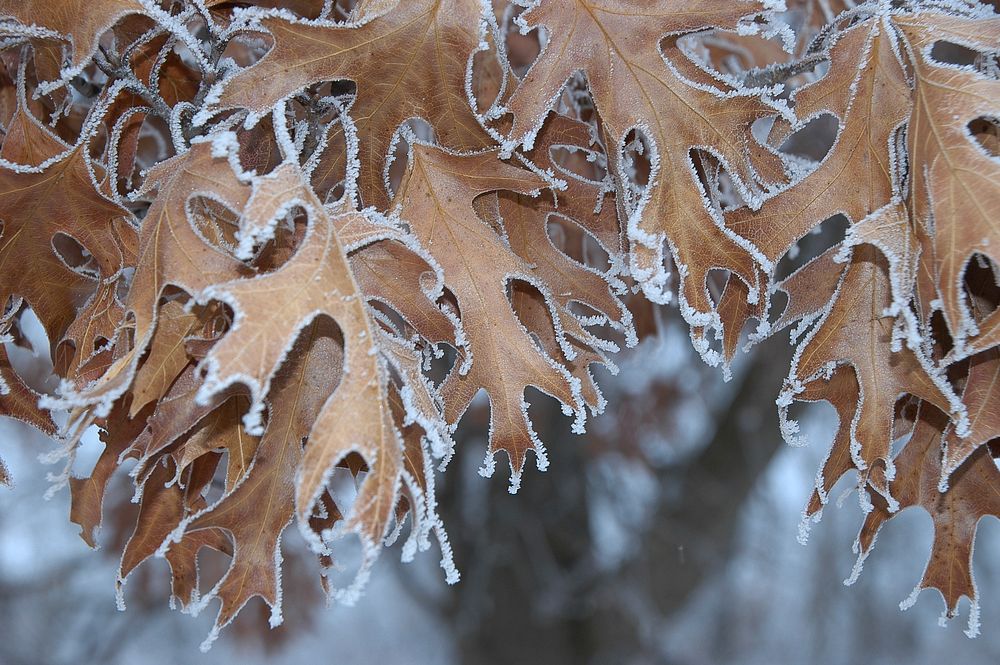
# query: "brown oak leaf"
{"points": [[408, 62], [956, 513], [436, 200], [858, 331], [636, 86]]}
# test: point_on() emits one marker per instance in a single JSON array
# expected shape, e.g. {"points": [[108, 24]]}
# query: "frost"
{"points": [[715, 155]]}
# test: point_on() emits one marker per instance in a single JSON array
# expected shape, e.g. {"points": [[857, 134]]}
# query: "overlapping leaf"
{"points": [[183, 217], [409, 61], [436, 199], [636, 86]]}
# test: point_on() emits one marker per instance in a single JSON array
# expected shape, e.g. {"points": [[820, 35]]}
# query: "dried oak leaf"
{"points": [[18, 400], [40, 204], [857, 330], [81, 22], [387, 265], [391, 273], [982, 398], [809, 290], [839, 460], [525, 221], [637, 86], [172, 253], [79, 354], [221, 430], [956, 513], [866, 89], [436, 199], [165, 503], [176, 414], [166, 356], [409, 62], [87, 494], [259, 507], [270, 310], [955, 191]]}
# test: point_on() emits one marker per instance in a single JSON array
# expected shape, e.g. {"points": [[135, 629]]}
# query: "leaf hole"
{"points": [[286, 240], [586, 164], [715, 282], [578, 244], [943, 341], [949, 53], [637, 160], [414, 128], [247, 48], [154, 145], [986, 132], [522, 50], [820, 239], [813, 141], [715, 181], [981, 280], [390, 320], [74, 255], [533, 312]]}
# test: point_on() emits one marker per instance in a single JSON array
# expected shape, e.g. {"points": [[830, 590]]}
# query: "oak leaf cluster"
{"points": [[276, 241]]}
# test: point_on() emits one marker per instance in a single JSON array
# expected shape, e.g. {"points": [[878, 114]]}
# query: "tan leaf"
{"points": [[408, 62], [171, 252], [616, 45], [956, 513], [176, 413], [222, 429], [390, 273], [87, 494], [857, 331], [258, 509], [270, 310], [436, 200], [569, 283], [955, 192], [164, 504], [866, 89], [166, 357], [18, 400], [80, 21], [38, 205], [982, 398]]}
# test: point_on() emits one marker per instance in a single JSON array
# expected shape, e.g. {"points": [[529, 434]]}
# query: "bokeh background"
{"points": [[666, 534]]}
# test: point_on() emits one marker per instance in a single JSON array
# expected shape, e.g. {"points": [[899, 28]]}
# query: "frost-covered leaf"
{"points": [[57, 197], [955, 191], [80, 22], [409, 62], [527, 219], [982, 398], [637, 86], [956, 513], [436, 200], [258, 509], [271, 310], [866, 89], [857, 331]]}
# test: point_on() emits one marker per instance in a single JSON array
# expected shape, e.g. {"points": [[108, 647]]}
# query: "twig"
{"points": [[114, 69]]}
